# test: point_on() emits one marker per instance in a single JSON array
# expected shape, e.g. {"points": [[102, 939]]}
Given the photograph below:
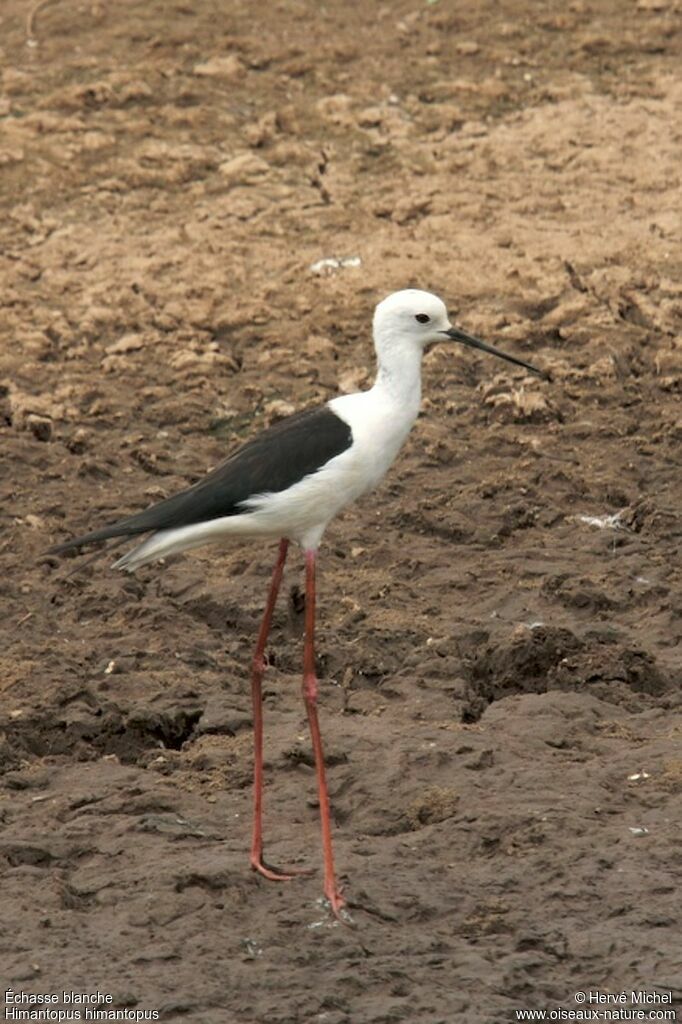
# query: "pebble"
{"points": [[229, 67]]}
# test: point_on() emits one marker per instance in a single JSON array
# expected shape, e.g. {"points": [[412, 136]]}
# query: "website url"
{"points": [[620, 1013]]}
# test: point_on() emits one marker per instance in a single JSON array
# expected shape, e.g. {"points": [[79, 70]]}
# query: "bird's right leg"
{"points": [[257, 862], [331, 889]]}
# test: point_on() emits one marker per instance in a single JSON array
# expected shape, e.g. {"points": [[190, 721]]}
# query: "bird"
{"points": [[287, 484]]}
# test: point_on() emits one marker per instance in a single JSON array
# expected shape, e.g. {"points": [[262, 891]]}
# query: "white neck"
{"points": [[398, 378], [381, 418]]}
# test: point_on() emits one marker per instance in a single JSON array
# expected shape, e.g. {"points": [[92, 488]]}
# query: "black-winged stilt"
{"points": [[288, 483]]}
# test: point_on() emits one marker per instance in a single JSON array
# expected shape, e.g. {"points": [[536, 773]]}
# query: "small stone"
{"points": [[243, 169], [336, 109], [410, 208], [480, 761], [133, 91], [11, 155], [27, 778], [365, 702], [128, 343], [278, 408], [370, 117], [40, 426], [221, 67], [263, 131]]}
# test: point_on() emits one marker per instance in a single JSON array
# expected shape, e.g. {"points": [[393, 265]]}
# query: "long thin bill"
{"points": [[456, 334]]}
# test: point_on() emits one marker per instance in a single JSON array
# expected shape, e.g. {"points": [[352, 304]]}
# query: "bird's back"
{"points": [[271, 462]]}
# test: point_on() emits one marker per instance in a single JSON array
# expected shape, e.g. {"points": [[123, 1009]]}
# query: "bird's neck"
{"points": [[398, 378]]}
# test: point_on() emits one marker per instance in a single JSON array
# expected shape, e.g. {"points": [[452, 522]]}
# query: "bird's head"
{"points": [[419, 319]]}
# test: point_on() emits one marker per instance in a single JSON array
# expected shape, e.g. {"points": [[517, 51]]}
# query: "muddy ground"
{"points": [[499, 624]]}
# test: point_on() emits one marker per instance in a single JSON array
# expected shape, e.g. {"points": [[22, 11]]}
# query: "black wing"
{"points": [[272, 461]]}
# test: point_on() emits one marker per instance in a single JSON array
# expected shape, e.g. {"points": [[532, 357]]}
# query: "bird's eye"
{"points": [[422, 318]]}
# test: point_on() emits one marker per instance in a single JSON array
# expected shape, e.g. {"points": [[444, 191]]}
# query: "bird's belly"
{"points": [[307, 507]]}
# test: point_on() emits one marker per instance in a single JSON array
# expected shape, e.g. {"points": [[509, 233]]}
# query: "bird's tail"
{"points": [[167, 542], [149, 550]]}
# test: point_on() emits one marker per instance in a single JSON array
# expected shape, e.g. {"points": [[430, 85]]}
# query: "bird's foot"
{"points": [[277, 874], [337, 903]]}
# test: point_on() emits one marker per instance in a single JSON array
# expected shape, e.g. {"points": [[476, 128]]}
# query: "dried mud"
{"points": [[499, 624]]}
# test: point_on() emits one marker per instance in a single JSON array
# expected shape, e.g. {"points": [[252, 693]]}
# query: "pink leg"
{"points": [[257, 862], [331, 890]]}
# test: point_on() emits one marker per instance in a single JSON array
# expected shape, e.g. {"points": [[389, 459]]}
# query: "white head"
{"points": [[412, 316], [406, 322]]}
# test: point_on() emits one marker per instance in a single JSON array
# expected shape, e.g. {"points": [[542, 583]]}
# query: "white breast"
{"points": [[379, 428]]}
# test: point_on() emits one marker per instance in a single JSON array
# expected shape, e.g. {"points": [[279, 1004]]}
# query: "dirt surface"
{"points": [[499, 624]]}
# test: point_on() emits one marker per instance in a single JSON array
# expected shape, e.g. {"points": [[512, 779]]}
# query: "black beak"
{"points": [[468, 339]]}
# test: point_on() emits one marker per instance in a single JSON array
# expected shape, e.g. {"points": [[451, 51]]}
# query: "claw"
{"points": [[277, 874], [336, 903]]}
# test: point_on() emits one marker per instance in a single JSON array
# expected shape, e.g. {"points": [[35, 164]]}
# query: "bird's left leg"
{"points": [[331, 889], [257, 862]]}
